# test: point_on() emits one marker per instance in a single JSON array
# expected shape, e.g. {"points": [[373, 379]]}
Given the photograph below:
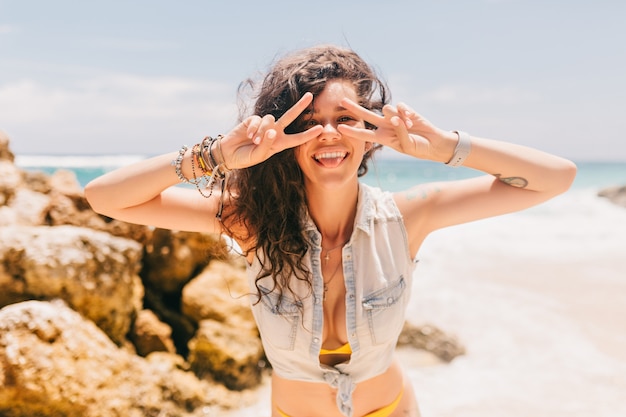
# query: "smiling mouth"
{"points": [[330, 159]]}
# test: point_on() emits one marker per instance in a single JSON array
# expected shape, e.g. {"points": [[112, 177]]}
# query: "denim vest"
{"points": [[377, 269]]}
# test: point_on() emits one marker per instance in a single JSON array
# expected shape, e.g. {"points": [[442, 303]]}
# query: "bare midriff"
{"points": [[303, 399]]}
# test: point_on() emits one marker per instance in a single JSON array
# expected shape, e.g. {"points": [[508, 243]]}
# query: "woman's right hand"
{"points": [[257, 138]]}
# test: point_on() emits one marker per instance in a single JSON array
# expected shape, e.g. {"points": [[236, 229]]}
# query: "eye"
{"points": [[349, 120], [310, 123]]}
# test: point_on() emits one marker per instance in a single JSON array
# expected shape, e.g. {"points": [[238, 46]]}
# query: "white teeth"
{"points": [[330, 155]]}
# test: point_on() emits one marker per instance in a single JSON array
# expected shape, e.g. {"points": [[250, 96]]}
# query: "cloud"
{"points": [[5, 29], [115, 113]]}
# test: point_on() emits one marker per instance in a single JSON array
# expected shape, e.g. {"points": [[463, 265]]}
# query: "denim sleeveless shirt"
{"points": [[377, 269]]}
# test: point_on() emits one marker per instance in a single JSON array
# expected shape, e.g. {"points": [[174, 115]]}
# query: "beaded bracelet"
{"points": [[178, 163], [178, 166]]}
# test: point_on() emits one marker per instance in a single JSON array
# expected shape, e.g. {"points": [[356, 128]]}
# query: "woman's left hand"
{"points": [[402, 129]]}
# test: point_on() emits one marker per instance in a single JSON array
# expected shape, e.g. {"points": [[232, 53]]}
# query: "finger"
{"points": [[269, 146], [294, 111], [252, 124], [389, 110], [407, 114], [366, 135], [401, 131], [265, 143], [362, 113], [297, 139], [392, 115], [267, 122]]}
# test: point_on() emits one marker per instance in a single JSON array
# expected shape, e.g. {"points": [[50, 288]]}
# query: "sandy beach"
{"points": [[539, 300]]}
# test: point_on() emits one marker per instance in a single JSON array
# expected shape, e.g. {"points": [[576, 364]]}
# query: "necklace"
{"points": [[327, 256], [326, 283]]}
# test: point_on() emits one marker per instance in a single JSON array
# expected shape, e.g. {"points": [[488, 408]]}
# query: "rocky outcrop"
{"points": [[226, 345], [149, 334], [616, 195], [94, 272], [431, 339], [5, 150], [106, 318], [53, 362]]}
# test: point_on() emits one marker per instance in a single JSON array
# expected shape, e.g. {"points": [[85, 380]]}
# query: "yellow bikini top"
{"points": [[341, 350]]}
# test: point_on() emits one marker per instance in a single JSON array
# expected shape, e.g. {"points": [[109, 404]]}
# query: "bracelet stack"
{"points": [[210, 168]]}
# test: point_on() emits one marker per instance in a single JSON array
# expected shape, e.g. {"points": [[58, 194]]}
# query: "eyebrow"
{"points": [[310, 110]]}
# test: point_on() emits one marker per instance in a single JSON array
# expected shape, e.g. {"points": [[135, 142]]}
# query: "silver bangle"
{"points": [[462, 150], [178, 166]]}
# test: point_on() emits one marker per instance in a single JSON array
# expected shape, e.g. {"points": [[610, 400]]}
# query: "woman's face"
{"points": [[330, 159]]}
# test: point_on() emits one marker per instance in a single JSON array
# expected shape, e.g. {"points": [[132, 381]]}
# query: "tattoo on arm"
{"points": [[518, 182]]}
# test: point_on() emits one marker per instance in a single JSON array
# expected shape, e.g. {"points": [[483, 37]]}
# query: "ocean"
{"points": [[538, 298], [391, 173]]}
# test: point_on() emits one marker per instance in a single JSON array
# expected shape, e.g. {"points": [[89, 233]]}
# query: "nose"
{"points": [[330, 132]]}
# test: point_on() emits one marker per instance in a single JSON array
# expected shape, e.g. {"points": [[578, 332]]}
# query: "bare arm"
{"points": [[519, 177], [144, 193]]}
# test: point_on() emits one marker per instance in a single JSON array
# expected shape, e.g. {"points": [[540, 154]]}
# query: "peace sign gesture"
{"points": [[257, 138], [400, 128]]}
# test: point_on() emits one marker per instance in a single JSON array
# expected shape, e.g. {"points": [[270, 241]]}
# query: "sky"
{"points": [[147, 76]]}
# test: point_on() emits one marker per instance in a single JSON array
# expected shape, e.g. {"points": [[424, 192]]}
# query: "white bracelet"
{"points": [[462, 150]]}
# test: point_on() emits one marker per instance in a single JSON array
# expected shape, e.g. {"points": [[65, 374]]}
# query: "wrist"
{"points": [[462, 149], [442, 145]]}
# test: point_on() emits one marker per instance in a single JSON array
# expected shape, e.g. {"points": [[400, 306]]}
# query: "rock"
{"points": [[149, 334], [431, 339], [220, 292], [55, 363], [66, 183], [10, 179], [168, 310], [36, 181], [226, 346], [5, 152], [616, 195], [30, 207], [172, 258], [227, 354], [94, 272], [8, 216]]}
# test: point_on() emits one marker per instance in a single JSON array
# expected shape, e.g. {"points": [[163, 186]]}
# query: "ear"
{"points": [[368, 146]]}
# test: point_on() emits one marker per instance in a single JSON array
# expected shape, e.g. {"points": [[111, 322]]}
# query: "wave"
{"points": [[76, 161]]}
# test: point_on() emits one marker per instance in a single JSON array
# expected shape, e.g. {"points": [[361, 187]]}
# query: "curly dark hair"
{"points": [[268, 199]]}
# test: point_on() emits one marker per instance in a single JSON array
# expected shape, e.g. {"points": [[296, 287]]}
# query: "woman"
{"points": [[330, 260]]}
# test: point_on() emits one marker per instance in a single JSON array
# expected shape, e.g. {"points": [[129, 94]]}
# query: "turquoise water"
{"points": [[387, 173]]}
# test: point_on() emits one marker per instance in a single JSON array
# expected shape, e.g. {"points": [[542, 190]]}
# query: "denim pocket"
{"points": [[279, 319], [384, 310]]}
